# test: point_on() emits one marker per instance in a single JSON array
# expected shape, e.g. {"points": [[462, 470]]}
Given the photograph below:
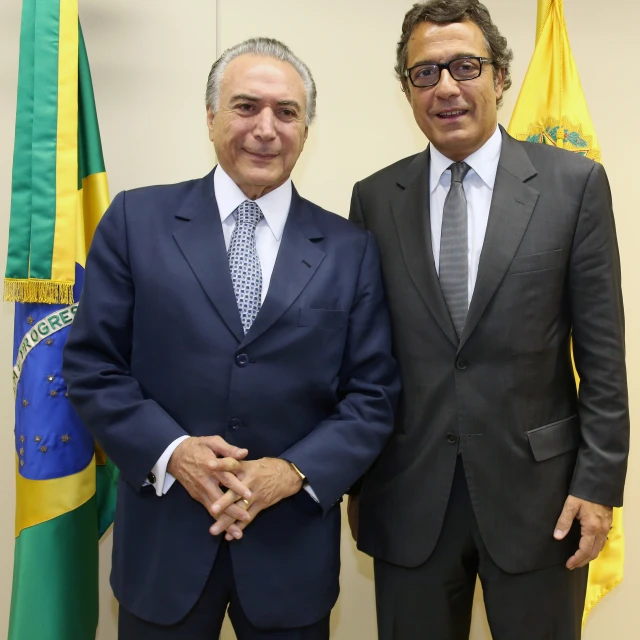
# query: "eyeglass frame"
{"points": [[445, 65]]}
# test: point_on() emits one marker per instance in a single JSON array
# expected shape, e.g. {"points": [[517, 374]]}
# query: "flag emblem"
{"points": [[564, 134]]}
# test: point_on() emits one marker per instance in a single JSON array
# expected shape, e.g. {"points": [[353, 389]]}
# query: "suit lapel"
{"points": [[411, 212], [511, 208], [298, 259], [201, 241]]}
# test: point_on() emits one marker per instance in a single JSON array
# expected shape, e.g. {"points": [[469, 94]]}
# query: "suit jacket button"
{"points": [[452, 438], [461, 364], [242, 359], [235, 423], [151, 478]]}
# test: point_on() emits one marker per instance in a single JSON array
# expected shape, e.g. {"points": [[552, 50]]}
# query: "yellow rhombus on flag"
{"points": [[551, 109]]}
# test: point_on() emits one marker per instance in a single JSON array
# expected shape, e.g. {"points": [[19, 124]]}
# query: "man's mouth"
{"points": [[451, 114], [261, 155]]}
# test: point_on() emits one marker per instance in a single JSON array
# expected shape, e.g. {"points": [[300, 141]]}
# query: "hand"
{"points": [[353, 513], [595, 524], [269, 479], [195, 465]]}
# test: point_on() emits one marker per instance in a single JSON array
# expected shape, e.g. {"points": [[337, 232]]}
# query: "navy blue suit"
{"points": [[157, 351]]}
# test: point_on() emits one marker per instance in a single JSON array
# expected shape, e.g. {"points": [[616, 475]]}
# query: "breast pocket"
{"points": [[536, 262], [330, 319]]}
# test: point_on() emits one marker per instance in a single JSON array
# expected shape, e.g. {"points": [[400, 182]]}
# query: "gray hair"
{"points": [[446, 12], [269, 48]]}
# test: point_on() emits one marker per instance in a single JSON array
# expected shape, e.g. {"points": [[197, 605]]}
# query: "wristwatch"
{"points": [[305, 482]]}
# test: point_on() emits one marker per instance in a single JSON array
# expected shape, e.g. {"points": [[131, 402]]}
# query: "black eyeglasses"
{"points": [[461, 69]]}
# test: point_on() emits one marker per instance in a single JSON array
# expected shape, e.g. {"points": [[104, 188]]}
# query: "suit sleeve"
{"points": [[355, 211], [132, 429], [342, 447], [355, 216], [599, 348]]}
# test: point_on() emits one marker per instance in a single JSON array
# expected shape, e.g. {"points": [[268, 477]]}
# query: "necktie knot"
{"points": [[458, 171], [249, 213]]}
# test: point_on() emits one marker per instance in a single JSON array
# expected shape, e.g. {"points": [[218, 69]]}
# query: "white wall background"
{"points": [[150, 60]]}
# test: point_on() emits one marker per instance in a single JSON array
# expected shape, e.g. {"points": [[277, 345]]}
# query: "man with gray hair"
{"points": [[231, 353], [495, 254]]}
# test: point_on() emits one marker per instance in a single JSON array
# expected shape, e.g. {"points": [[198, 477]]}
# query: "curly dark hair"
{"points": [[448, 11]]}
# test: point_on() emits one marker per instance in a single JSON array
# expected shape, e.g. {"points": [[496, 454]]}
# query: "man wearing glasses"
{"points": [[495, 254]]}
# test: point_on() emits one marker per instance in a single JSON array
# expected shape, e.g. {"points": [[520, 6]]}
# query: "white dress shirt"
{"points": [[275, 207], [478, 187]]}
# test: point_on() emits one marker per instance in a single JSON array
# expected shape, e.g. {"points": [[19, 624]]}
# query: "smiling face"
{"points": [[456, 117], [260, 127]]}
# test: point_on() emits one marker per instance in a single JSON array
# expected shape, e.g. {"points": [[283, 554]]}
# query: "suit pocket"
{"points": [[322, 318], [553, 439], [536, 262]]}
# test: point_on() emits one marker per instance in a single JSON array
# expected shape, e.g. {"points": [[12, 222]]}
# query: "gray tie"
{"points": [[454, 261], [244, 264]]}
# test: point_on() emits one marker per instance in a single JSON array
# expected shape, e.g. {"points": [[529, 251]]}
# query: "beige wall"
{"points": [[150, 59]]}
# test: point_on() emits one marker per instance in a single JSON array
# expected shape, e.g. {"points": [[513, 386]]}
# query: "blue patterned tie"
{"points": [[246, 273]]}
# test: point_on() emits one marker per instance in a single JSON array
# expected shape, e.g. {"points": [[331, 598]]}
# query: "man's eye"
{"points": [[466, 68], [245, 107], [425, 72]]}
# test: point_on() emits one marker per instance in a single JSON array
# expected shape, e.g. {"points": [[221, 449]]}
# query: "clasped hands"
{"points": [[204, 465]]}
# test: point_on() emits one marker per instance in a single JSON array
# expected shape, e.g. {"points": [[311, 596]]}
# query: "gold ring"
{"points": [[247, 503]]}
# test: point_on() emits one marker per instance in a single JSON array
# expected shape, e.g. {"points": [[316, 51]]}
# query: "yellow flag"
{"points": [[551, 109]]}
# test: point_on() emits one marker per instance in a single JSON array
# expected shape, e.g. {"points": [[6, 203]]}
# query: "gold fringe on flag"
{"points": [[38, 291]]}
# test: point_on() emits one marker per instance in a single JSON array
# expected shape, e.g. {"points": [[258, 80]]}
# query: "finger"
{"points": [[230, 465], [231, 482], [591, 556], [582, 554], [598, 547], [223, 503], [252, 512], [208, 492], [222, 524], [233, 533], [225, 450], [569, 512], [238, 511]]}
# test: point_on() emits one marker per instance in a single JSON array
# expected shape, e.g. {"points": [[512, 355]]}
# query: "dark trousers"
{"points": [[204, 621], [434, 601]]}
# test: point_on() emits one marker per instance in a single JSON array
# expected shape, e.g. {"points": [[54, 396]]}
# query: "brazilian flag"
{"points": [[551, 109], [65, 487]]}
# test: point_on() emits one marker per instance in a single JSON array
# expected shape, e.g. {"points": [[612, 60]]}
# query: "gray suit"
{"points": [[503, 396]]}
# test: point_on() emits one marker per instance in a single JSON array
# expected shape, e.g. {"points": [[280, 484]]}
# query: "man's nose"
{"points": [[265, 128], [447, 86]]}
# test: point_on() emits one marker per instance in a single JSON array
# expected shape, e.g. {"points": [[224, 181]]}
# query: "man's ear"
{"points": [[404, 87], [210, 117], [498, 81]]}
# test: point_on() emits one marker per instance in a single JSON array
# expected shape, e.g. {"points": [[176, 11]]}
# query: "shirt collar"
{"points": [[274, 206], [484, 161]]}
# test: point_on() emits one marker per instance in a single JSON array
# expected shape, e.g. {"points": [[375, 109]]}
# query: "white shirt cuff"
{"points": [[312, 493], [163, 479]]}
